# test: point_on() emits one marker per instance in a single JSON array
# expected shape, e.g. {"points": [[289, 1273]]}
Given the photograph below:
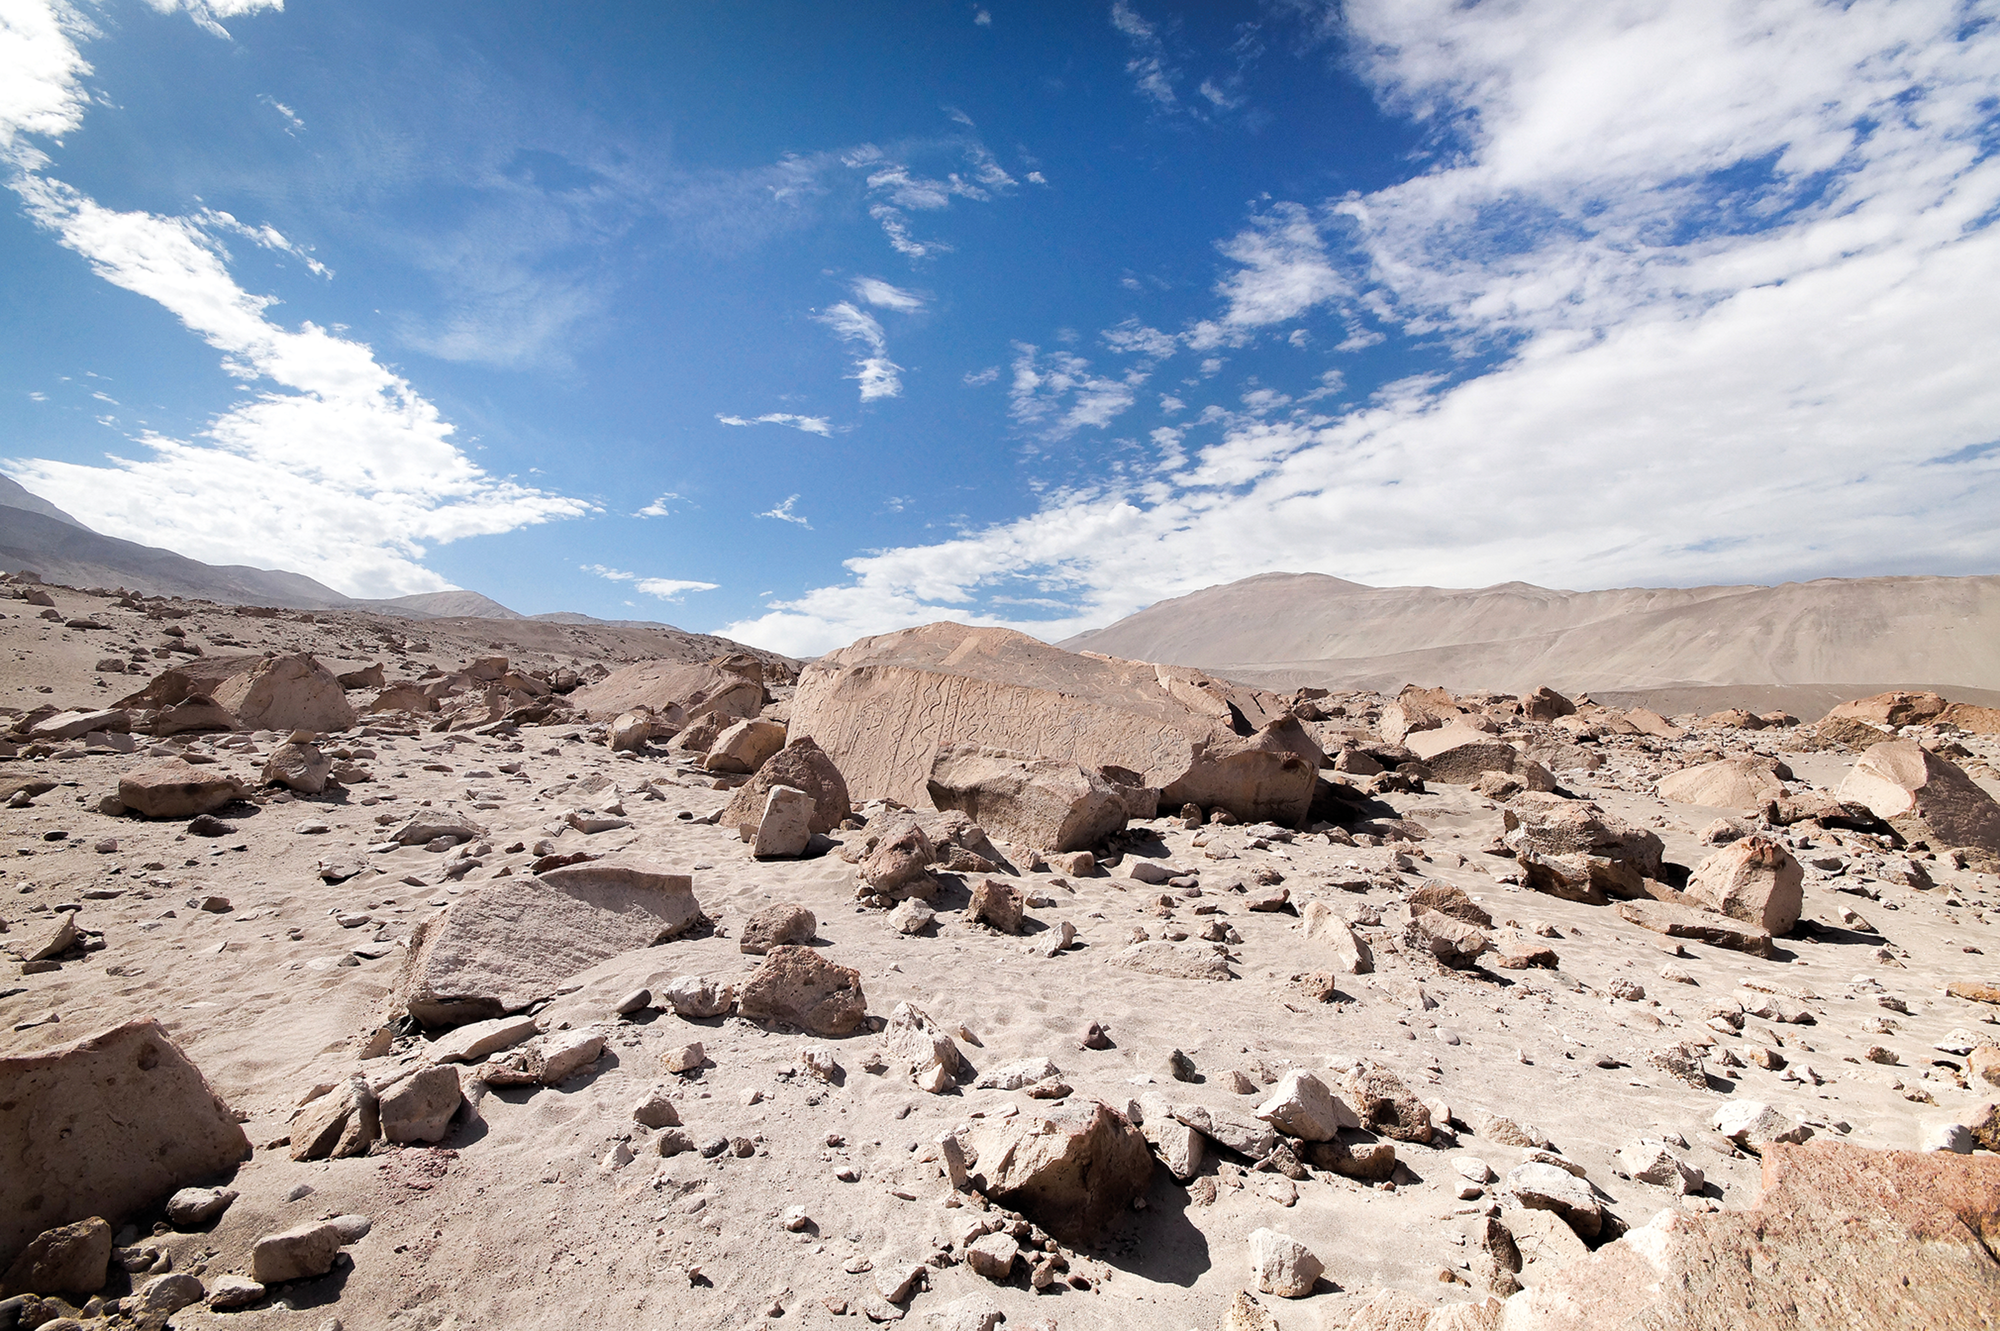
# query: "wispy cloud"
{"points": [[897, 188], [661, 507], [818, 425], [1134, 338], [292, 122], [666, 589], [874, 291], [208, 14], [213, 220], [1056, 394], [1282, 270], [1151, 72], [783, 513], [878, 374]]}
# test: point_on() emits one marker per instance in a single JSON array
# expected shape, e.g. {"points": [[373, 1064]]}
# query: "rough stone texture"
{"points": [[899, 865], [177, 789], [290, 692], [299, 1253], [1678, 921], [885, 706], [784, 830], [509, 942], [1282, 1265], [67, 1259], [745, 746], [105, 1127], [1743, 785], [775, 925], [198, 1206], [471, 1043], [1755, 1125], [1265, 777], [676, 692], [345, 1121], [1346, 951], [1620, 857], [1458, 754], [1070, 1172], [1301, 1106], [629, 731], [1178, 1146], [917, 1046], [162, 1296], [1895, 708], [1755, 880], [697, 997], [197, 711], [999, 904], [1384, 1104], [797, 986], [1225, 1127], [1545, 1187], [1049, 804], [300, 767], [1924, 796], [801, 765], [1840, 1236], [420, 1107], [1451, 941], [1178, 961]]}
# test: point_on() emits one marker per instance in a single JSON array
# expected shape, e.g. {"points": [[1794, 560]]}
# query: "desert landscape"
{"points": [[378, 971]]}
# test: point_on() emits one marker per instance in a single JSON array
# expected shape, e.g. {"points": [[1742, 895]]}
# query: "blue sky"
{"points": [[801, 322]]}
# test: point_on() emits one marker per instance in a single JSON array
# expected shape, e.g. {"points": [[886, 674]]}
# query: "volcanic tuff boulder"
{"points": [[1576, 850], [106, 1126], [1754, 879], [1046, 803], [802, 765], [1743, 784], [290, 692], [1070, 1172], [1923, 796], [176, 789], [676, 692], [509, 942], [1265, 777], [886, 706]]}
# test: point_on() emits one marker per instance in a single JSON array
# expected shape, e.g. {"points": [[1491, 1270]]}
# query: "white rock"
{"points": [[1282, 1265], [1301, 1106]]}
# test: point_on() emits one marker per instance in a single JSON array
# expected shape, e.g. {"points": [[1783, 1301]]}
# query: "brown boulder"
{"points": [[998, 904], [1704, 926], [799, 987], [1923, 796], [106, 1126], [802, 765], [69, 1259], [1892, 709], [197, 711], [1754, 879], [345, 1121], [176, 789], [1618, 856], [1840, 1236], [290, 692], [509, 942], [1071, 1173], [885, 707], [300, 767], [1046, 803], [1265, 777], [675, 690], [402, 697], [1545, 704], [775, 926], [368, 677], [1968, 716], [1744, 785], [1459, 754], [899, 863], [745, 746]]}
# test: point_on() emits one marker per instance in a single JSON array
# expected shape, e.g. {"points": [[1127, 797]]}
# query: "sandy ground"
{"points": [[512, 1221]]}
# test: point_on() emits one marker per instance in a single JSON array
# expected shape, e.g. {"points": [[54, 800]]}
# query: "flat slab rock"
{"points": [[107, 1126], [509, 943], [1177, 961]]}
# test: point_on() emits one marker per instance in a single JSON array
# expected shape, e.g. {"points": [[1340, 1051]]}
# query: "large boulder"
{"points": [[1892, 709], [1841, 1236], [886, 706], [1754, 879], [1265, 777], [174, 788], [301, 767], [1676, 920], [802, 765], [1071, 1172], [1046, 803], [676, 691], [745, 746], [508, 943], [197, 711], [108, 1126], [1744, 785], [68, 1259], [799, 987], [1458, 754], [1616, 857], [1923, 796], [289, 692]]}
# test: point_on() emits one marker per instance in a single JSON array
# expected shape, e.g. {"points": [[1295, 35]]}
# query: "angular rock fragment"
{"points": [[784, 829], [801, 765], [1046, 803], [1924, 796], [1345, 950], [776, 925], [797, 986], [176, 789], [68, 1259], [299, 1253], [1070, 1172], [1678, 921], [1282, 1265], [345, 1121], [1755, 880]]}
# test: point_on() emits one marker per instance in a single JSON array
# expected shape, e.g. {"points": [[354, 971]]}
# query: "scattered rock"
{"points": [[1282, 1265], [1755, 880], [68, 1259], [775, 926], [299, 1253], [1070, 1172], [797, 986], [1050, 804]]}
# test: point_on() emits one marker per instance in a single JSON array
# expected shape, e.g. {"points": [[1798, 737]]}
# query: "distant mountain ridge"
{"points": [[1289, 629], [36, 535]]}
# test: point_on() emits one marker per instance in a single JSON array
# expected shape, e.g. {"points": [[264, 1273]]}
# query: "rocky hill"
{"points": [[1800, 646]]}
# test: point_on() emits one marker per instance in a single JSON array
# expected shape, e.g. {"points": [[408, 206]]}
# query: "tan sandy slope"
{"points": [[1307, 628]]}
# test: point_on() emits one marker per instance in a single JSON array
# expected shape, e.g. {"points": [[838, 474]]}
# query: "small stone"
{"points": [[162, 1296], [993, 1256], [1282, 1265], [198, 1206], [231, 1291], [634, 1002], [686, 1058], [295, 1254]]}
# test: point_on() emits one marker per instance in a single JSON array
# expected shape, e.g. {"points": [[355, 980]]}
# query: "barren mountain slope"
{"points": [[1313, 629]]}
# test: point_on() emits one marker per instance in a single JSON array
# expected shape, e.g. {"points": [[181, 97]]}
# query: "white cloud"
{"points": [[896, 187], [1738, 262], [292, 122], [1282, 271], [213, 220], [1057, 395], [666, 589], [980, 378], [874, 291], [818, 425], [856, 327], [1134, 338], [341, 468], [207, 13], [661, 507], [983, 18], [1151, 73], [783, 513], [1037, 178], [41, 73]]}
